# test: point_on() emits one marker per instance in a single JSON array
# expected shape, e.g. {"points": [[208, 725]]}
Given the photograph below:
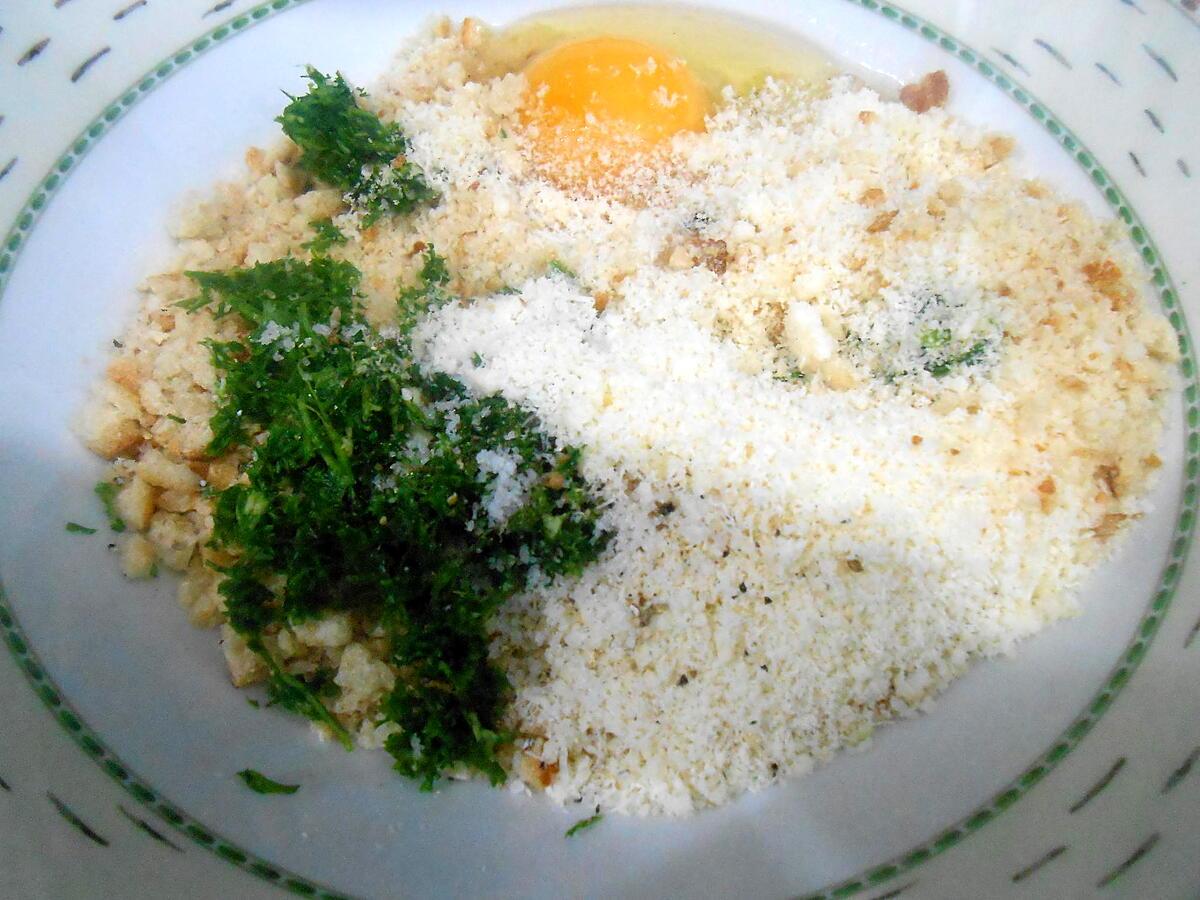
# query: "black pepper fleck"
{"points": [[767, 600], [682, 682]]}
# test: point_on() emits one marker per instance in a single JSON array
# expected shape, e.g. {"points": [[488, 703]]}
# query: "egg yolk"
{"points": [[602, 104]]}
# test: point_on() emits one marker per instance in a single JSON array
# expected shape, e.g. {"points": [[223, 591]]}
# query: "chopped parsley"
{"points": [[584, 823], [557, 265], [295, 695], [325, 235], [968, 357], [107, 492], [376, 488], [933, 338], [261, 784], [174, 418], [352, 149], [413, 302], [76, 528], [950, 335], [929, 333]]}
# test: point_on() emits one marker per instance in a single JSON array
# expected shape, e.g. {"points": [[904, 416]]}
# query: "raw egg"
{"points": [[600, 105]]}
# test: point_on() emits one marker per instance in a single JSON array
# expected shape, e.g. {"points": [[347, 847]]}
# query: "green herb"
{"points": [[253, 702], [350, 148], [289, 692], [968, 357], [107, 492], [76, 528], [325, 685], [412, 303], [336, 136], [287, 298], [477, 361], [371, 487], [261, 784], [174, 418], [557, 265], [584, 823], [325, 235], [935, 337], [944, 333], [504, 133], [941, 351]]}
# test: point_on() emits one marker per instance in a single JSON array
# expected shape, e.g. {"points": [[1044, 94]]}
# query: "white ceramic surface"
{"points": [[1116, 80]]}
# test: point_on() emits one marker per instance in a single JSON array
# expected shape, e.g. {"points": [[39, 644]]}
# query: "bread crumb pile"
{"points": [[815, 527]]}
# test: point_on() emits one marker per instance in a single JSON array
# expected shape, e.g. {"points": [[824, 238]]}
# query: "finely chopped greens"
{"points": [[350, 148], [107, 492], [928, 331], [325, 236], [380, 490], [584, 824], [261, 784]]}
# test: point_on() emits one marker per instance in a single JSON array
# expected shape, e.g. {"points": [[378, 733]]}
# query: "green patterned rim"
{"points": [[1128, 662], [18, 644]]}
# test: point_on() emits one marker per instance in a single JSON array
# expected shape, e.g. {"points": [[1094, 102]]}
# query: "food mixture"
{"points": [[566, 421]]}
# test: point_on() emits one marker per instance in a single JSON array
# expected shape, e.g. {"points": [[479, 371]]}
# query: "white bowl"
{"points": [[1063, 771]]}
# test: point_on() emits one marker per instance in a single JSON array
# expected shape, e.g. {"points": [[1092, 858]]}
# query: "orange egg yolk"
{"points": [[600, 105]]}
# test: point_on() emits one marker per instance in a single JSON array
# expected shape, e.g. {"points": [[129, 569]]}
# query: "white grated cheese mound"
{"points": [[863, 405]]}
